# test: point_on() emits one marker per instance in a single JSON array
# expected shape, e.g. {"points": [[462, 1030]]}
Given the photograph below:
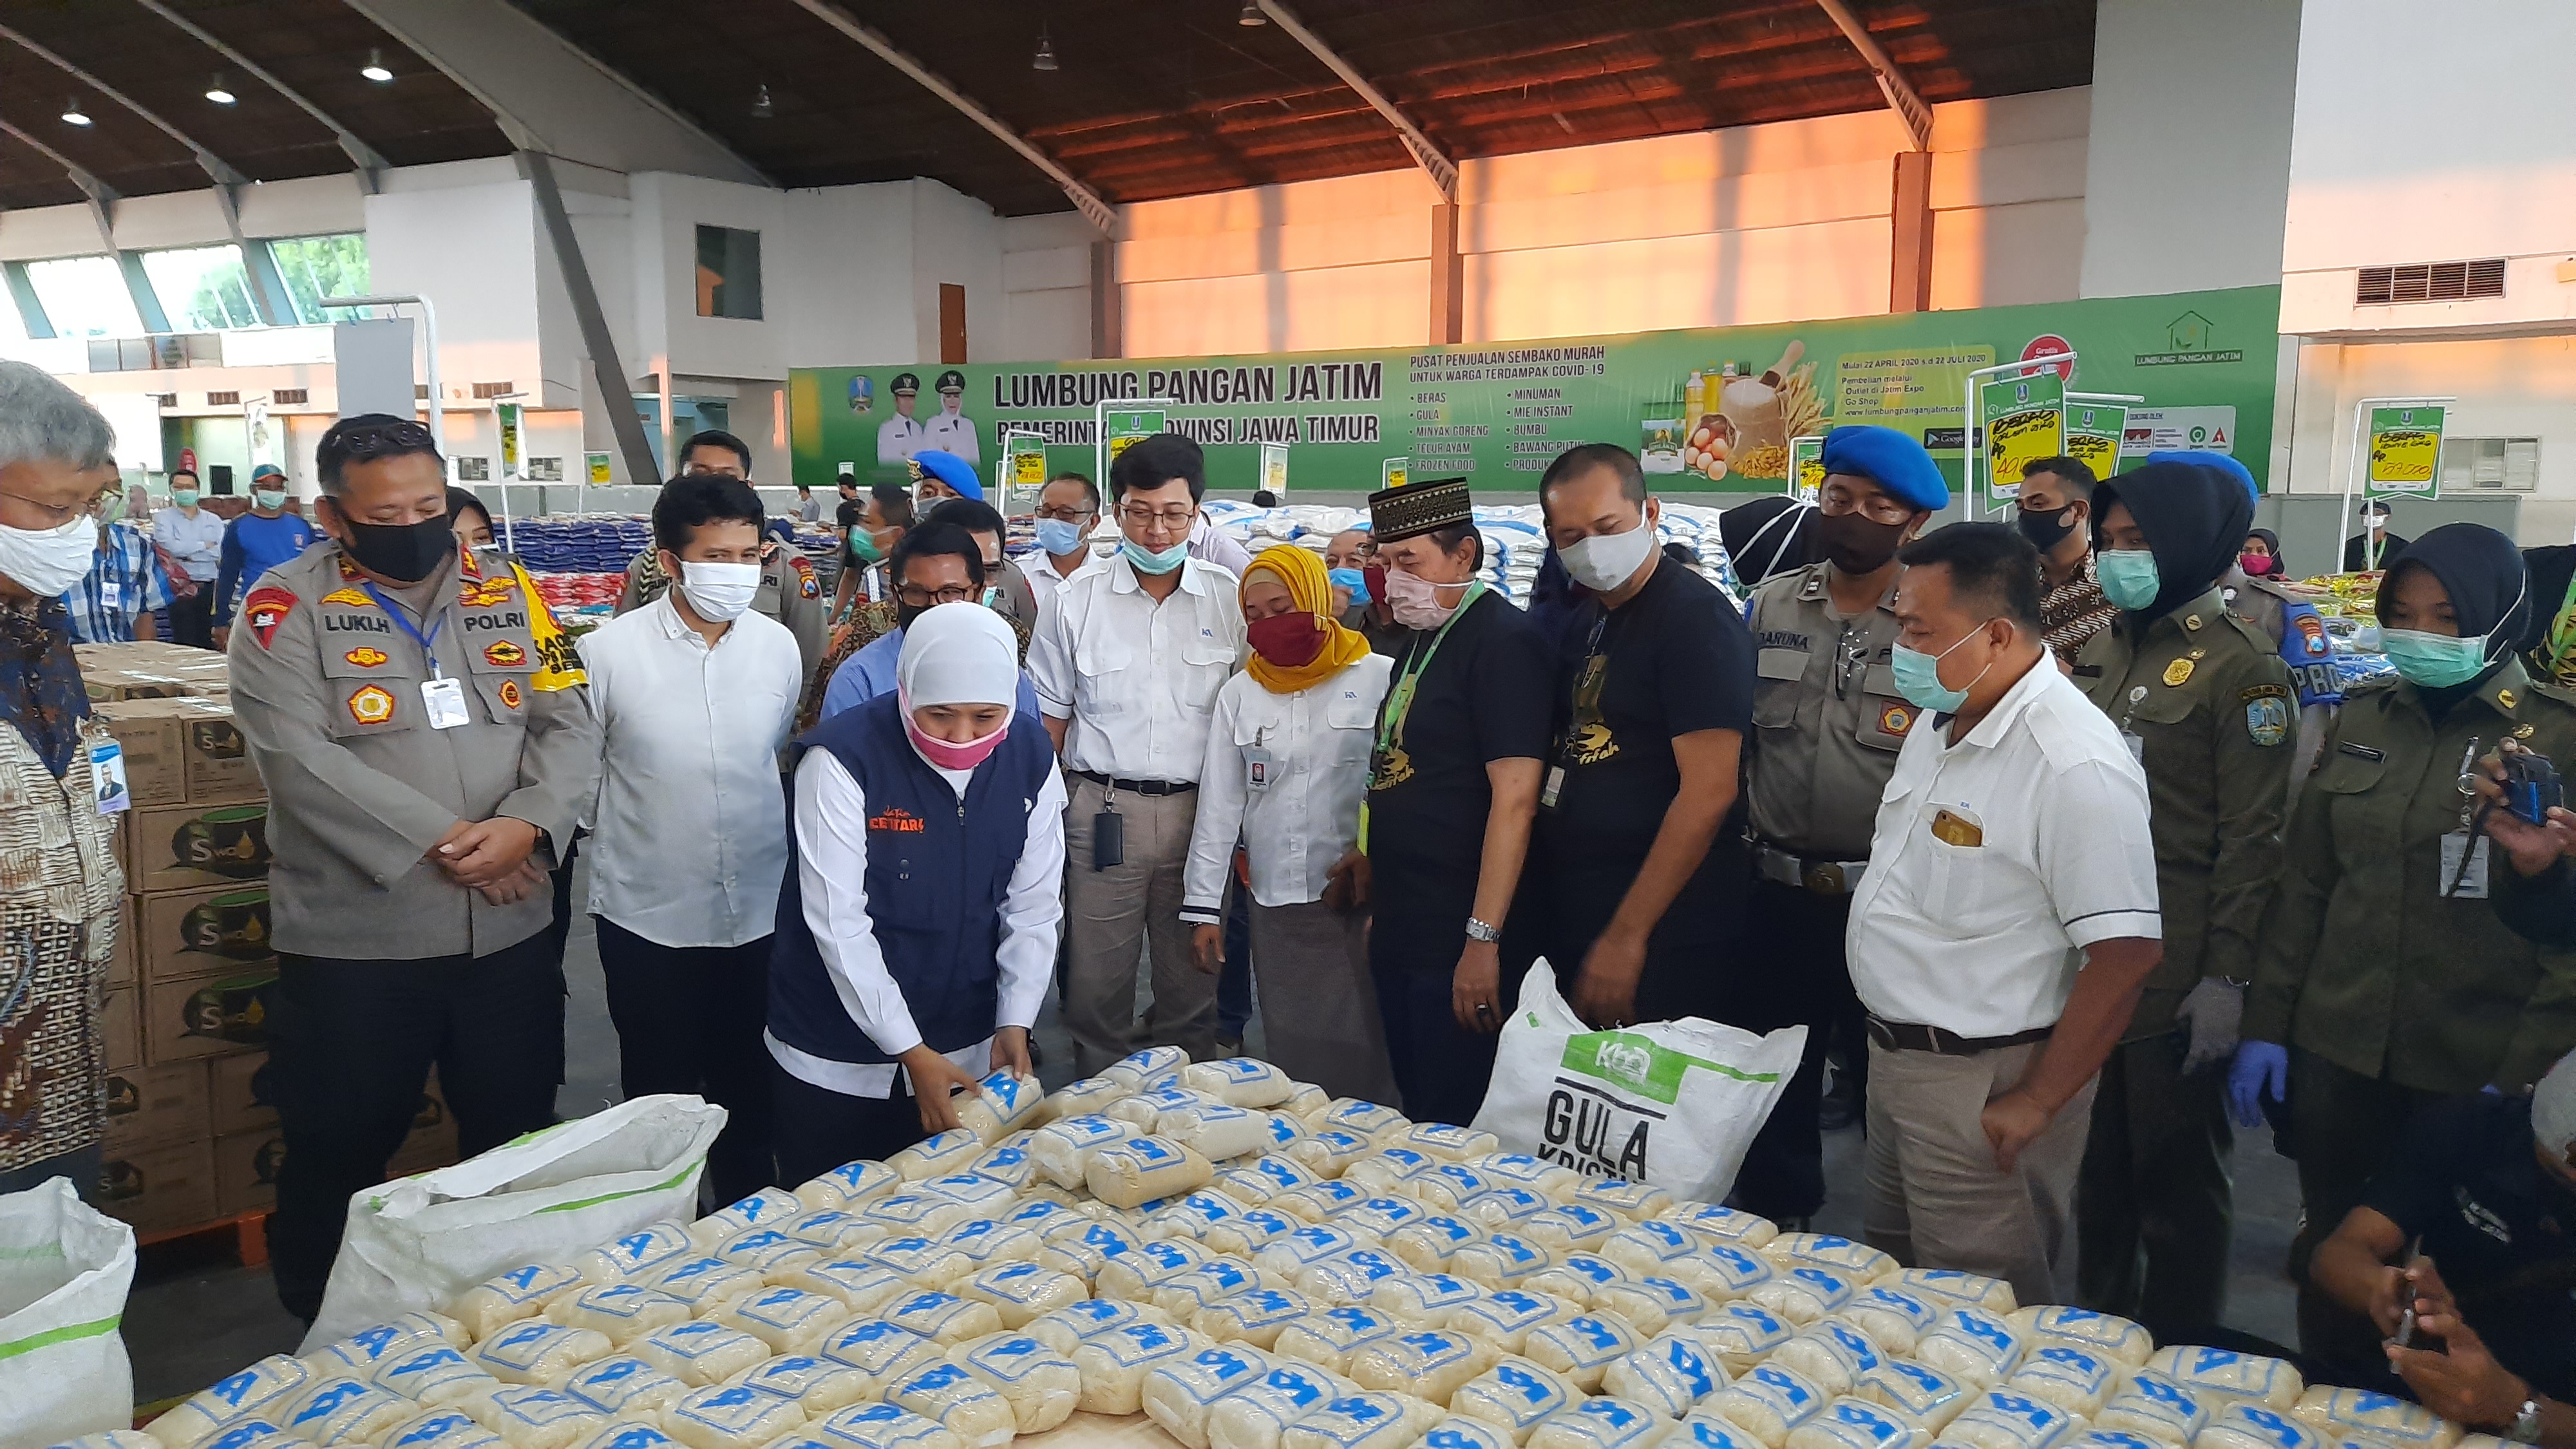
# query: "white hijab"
{"points": [[958, 653]]}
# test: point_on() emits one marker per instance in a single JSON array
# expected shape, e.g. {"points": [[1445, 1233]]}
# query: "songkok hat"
{"points": [[1419, 508]]}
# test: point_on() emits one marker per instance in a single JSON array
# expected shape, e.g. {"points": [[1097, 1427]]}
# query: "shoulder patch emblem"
{"points": [[1896, 719], [2178, 673], [807, 586], [355, 598], [366, 658], [502, 654], [2267, 714], [509, 692], [349, 570], [265, 609], [372, 705]]}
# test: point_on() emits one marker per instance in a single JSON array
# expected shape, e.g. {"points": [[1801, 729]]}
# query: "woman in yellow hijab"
{"points": [[1287, 764]]}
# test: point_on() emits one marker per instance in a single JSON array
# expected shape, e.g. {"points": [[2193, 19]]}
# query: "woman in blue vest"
{"points": [[917, 931]]}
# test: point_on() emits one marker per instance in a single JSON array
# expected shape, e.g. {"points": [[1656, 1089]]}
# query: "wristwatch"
{"points": [[1479, 931], [2525, 1428]]}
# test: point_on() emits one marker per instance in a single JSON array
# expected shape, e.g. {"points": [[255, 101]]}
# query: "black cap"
{"points": [[1417, 508], [950, 381], [905, 384]]}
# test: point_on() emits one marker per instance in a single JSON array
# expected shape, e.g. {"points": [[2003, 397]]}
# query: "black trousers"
{"points": [[1441, 1069], [689, 1019], [350, 1048], [815, 1129], [192, 620], [1793, 974], [2154, 1204], [2343, 1125]]}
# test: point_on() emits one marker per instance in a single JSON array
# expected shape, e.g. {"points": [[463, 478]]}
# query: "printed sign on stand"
{"points": [[2093, 433], [2405, 452], [2025, 421], [1807, 467]]}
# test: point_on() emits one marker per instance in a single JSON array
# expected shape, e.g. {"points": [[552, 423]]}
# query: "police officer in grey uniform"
{"points": [[426, 736], [1827, 723]]}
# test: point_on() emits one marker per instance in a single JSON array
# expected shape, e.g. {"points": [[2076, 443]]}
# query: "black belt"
{"points": [[1140, 787], [1906, 1036]]}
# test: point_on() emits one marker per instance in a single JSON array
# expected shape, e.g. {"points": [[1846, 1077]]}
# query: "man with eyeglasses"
{"points": [[1828, 721], [937, 563], [113, 602], [1127, 667], [1068, 510], [426, 737]]}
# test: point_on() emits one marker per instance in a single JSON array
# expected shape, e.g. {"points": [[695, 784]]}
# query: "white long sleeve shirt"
{"points": [[689, 829], [832, 873], [1312, 749], [1138, 679], [196, 544]]}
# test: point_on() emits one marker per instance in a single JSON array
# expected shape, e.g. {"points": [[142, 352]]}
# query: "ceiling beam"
{"points": [[361, 155], [102, 197], [1435, 163], [215, 167], [1085, 200], [1901, 96]]}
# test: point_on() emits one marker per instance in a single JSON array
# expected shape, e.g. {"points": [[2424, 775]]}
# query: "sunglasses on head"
{"points": [[376, 440]]}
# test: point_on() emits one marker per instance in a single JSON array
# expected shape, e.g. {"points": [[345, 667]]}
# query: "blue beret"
{"points": [[1892, 460], [2204, 458], [950, 469]]}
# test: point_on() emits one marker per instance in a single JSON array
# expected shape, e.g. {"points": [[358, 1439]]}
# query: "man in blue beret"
{"points": [[938, 475], [1829, 722]]}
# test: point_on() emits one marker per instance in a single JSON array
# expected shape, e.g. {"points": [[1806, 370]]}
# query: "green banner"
{"points": [[1709, 410], [2405, 452]]}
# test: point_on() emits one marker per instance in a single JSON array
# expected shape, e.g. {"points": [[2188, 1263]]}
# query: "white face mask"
{"points": [[47, 561], [1605, 561], [719, 591]]}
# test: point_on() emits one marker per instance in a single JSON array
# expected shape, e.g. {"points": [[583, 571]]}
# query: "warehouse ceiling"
{"points": [[1150, 98]]}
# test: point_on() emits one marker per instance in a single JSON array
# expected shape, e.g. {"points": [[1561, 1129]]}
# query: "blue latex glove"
{"points": [[2259, 1065]]}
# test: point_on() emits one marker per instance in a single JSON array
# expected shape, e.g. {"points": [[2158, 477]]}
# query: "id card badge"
{"points": [[1555, 783], [110, 595], [2471, 884], [1256, 768], [445, 701], [107, 776]]}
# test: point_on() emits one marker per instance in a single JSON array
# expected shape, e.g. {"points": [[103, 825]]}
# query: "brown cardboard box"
{"points": [[148, 731], [235, 1102], [105, 685], [246, 1171], [180, 749], [219, 766], [190, 847], [204, 932], [122, 1024], [156, 1107], [122, 971], [208, 1016], [161, 1189]]}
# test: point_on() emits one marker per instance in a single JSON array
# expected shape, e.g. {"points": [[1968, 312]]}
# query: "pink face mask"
{"points": [[949, 754]]}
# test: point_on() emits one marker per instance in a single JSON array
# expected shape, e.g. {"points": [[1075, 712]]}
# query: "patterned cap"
{"points": [[1419, 508]]}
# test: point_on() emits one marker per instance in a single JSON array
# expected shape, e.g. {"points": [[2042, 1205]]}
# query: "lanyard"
{"points": [[425, 641], [1399, 700]]}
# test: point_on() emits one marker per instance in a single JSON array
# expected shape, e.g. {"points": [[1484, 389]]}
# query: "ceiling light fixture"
{"points": [[73, 114], [1045, 58], [215, 91], [374, 69], [760, 108], [1251, 14]]}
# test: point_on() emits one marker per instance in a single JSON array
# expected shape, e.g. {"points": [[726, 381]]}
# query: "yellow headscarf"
{"points": [[1303, 572]]}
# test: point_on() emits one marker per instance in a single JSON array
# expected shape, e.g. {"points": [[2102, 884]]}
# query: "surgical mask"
{"points": [[1351, 579], [2433, 661], [268, 497], [1858, 545], [1605, 562], [2377, 524], [47, 561], [184, 497], [863, 546], [2042, 527], [2256, 565], [403, 552], [719, 592], [1918, 677], [1415, 600], [1153, 560], [948, 754], [2128, 577], [1057, 536]]}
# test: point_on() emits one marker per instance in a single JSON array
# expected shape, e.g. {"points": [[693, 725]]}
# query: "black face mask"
{"points": [[2043, 529], [1856, 545], [404, 552]]}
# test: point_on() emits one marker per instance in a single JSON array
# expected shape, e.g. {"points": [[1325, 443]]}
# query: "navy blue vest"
{"points": [[937, 871]]}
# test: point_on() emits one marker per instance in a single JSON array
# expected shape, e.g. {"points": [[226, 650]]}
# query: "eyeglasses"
{"points": [[376, 440], [1067, 515], [1838, 500], [60, 513], [913, 598], [1170, 519]]}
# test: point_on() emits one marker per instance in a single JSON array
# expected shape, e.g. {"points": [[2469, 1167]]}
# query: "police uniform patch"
{"points": [[502, 654], [356, 597], [485, 595], [807, 586], [1896, 719], [2267, 714], [2178, 673], [372, 705], [2505, 697], [509, 692], [265, 609], [349, 570], [366, 658]]}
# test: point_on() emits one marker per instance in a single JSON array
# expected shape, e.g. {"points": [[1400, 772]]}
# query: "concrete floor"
{"points": [[195, 1316]]}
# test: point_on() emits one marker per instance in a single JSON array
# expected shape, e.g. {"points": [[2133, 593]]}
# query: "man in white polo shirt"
{"points": [[2004, 929]]}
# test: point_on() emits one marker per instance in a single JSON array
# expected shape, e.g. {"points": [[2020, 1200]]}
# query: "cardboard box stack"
{"points": [[190, 1136]]}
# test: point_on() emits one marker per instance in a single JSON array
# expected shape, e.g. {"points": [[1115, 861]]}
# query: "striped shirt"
{"points": [[125, 578]]}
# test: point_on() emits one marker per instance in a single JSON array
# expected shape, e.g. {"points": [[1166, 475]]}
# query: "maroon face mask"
{"points": [[1287, 640]]}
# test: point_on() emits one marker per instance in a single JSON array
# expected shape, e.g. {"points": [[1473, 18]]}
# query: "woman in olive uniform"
{"points": [[2383, 980]]}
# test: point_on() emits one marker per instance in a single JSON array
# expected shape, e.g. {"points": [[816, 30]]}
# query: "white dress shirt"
{"points": [[832, 873], [952, 433], [689, 829], [2046, 851], [1138, 679], [196, 544], [1313, 747]]}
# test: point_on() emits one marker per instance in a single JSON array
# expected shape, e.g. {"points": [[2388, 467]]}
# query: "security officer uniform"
{"points": [[2389, 992], [2205, 702], [1827, 724], [789, 593], [900, 437], [371, 753], [952, 432]]}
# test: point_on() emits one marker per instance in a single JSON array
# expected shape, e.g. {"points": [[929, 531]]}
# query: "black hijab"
{"points": [[2482, 572], [2195, 519], [1762, 543], [2271, 541]]}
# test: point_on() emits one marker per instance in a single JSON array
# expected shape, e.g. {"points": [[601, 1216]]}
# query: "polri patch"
{"points": [[2267, 714], [372, 705], [265, 609], [509, 692], [1896, 719], [366, 658], [502, 654], [356, 598]]}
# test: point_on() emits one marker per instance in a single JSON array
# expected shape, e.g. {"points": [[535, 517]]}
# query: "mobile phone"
{"points": [[2406, 1317], [1108, 840]]}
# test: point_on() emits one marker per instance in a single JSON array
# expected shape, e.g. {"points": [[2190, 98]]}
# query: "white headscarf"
{"points": [[958, 653]]}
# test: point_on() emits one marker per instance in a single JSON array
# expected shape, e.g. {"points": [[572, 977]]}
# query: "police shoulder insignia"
{"points": [[356, 598], [265, 609], [509, 692], [2267, 714], [503, 654], [2178, 672], [372, 705], [366, 658], [807, 586], [2505, 697]]}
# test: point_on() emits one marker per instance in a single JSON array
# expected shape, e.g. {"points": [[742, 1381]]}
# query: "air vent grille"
{"points": [[2429, 282]]}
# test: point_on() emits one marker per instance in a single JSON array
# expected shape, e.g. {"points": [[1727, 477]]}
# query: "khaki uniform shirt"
{"points": [[2362, 960], [789, 593], [59, 883], [2208, 703], [327, 690], [1827, 719]]}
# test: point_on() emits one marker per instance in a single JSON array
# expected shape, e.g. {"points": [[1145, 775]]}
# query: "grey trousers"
{"points": [[1318, 1001], [1936, 1199], [1112, 914]]}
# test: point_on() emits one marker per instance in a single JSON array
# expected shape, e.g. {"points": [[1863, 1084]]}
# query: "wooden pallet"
{"points": [[249, 1231]]}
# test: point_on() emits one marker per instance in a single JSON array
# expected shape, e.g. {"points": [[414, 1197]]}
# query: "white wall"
{"points": [[1046, 289], [471, 249]]}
